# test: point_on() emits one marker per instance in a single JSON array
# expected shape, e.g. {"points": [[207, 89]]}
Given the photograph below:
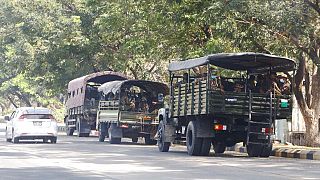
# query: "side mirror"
{"points": [[6, 118]]}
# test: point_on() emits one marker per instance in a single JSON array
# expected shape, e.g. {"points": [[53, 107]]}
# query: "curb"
{"points": [[276, 151], [283, 152]]}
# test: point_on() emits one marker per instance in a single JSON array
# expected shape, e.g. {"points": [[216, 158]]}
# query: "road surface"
{"points": [[86, 158]]}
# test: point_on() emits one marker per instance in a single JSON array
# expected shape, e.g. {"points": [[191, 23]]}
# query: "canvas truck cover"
{"points": [[81, 82], [149, 86], [252, 62]]}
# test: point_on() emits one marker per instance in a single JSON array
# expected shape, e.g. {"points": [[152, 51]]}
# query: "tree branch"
{"points": [[152, 68], [314, 6], [12, 102]]}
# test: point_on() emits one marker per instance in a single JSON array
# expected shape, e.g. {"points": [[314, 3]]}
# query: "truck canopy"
{"points": [[77, 87], [252, 62], [149, 86], [98, 77]]}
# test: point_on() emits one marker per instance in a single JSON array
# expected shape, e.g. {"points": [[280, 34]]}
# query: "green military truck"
{"points": [[226, 98], [129, 109], [82, 101]]}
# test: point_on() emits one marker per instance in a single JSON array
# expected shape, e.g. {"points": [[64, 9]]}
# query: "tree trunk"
{"points": [[309, 111]]}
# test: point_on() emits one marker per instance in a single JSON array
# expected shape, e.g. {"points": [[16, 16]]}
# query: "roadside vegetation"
{"points": [[46, 43]]}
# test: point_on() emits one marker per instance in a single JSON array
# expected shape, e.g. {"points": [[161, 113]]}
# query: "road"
{"points": [[86, 158]]}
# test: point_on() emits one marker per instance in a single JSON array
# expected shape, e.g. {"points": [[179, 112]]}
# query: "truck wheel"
{"points": [[162, 146], [53, 140], [69, 131], [79, 131], [205, 148], [114, 140], [254, 150], [149, 141], [266, 150], [134, 139], [102, 132], [194, 143], [218, 147]]}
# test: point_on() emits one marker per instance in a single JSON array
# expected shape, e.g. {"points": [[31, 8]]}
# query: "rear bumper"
{"points": [[33, 133], [33, 137]]}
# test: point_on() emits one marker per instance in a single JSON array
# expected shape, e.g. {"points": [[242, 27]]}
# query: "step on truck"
{"points": [[226, 98], [129, 109], [83, 100]]}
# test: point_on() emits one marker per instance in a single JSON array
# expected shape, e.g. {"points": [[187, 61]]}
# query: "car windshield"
{"points": [[37, 116]]}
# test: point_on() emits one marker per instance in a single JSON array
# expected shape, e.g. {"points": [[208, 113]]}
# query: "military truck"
{"points": [[82, 101], [223, 99], [129, 109]]}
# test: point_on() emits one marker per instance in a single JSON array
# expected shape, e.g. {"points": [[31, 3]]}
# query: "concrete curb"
{"points": [[284, 152]]}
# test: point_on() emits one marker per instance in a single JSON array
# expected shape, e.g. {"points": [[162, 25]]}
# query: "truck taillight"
{"points": [[220, 127], [124, 126], [267, 130]]}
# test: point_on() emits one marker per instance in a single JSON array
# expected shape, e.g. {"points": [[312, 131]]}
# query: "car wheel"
{"points": [[45, 140], [8, 139], [15, 140], [53, 140]]}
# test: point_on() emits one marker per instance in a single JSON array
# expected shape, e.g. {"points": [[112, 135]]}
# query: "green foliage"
{"points": [[46, 43]]}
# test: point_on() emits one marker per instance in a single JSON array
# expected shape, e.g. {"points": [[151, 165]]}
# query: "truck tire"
{"points": [[218, 147], [254, 150], [162, 146], [149, 141], [194, 143], [134, 139], [114, 140], [266, 150], [102, 132], [69, 131], [53, 140], [79, 131], [205, 147]]}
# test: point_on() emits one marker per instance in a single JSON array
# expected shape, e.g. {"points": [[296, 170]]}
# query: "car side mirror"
{"points": [[6, 118]]}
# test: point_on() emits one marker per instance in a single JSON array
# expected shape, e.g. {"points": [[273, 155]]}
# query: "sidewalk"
{"points": [[287, 151]]}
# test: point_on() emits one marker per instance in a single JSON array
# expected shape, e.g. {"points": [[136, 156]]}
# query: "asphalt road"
{"points": [[86, 158]]}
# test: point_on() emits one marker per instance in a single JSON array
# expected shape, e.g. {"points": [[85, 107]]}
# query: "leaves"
{"points": [[44, 44]]}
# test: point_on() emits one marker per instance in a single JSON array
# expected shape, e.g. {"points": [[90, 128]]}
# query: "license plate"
{"points": [[37, 123]]}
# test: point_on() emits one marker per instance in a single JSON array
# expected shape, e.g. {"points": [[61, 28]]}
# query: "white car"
{"points": [[31, 123]]}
